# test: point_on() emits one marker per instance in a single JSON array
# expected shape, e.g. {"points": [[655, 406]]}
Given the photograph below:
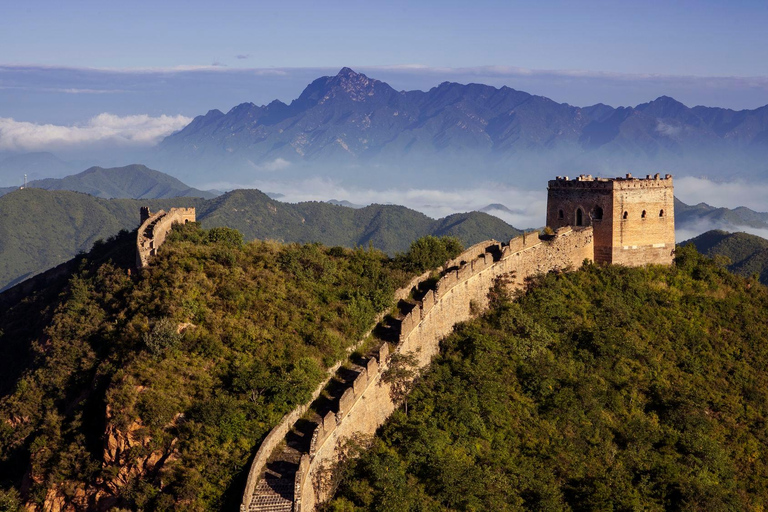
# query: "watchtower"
{"points": [[633, 219]]}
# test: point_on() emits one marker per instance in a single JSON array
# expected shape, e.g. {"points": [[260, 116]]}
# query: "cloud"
{"points": [[730, 194], [278, 164], [135, 130], [668, 129], [693, 229]]}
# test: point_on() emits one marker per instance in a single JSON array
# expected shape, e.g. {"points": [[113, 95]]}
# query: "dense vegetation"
{"points": [[40, 229], [604, 389], [150, 390], [743, 254]]}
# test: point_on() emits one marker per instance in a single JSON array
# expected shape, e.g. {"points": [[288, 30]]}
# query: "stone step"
{"points": [[273, 495]]}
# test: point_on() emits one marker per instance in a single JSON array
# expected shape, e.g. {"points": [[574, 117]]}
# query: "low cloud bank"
{"points": [[693, 229], [132, 130], [722, 194], [527, 209]]}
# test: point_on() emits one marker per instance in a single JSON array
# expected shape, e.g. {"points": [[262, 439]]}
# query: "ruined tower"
{"points": [[633, 219]]}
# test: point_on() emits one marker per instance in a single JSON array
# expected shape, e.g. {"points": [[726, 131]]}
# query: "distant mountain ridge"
{"points": [[352, 120], [128, 182]]}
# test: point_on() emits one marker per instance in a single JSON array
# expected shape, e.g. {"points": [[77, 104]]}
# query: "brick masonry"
{"points": [[633, 219]]}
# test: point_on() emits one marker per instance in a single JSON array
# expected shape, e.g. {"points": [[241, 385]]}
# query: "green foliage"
{"points": [[429, 252], [226, 236], [742, 253], [197, 357], [162, 337], [609, 388]]}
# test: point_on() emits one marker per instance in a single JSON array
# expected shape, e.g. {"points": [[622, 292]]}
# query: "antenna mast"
{"points": [[25, 181]]}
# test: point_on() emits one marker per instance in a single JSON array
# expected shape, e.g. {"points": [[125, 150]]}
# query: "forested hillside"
{"points": [[150, 390], [743, 254], [609, 388]]}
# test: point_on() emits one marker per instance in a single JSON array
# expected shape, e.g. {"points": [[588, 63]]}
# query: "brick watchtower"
{"points": [[633, 219]]}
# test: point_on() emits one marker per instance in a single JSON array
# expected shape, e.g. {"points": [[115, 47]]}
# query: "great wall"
{"points": [[602, 220], [155, 227], [303, 459]]}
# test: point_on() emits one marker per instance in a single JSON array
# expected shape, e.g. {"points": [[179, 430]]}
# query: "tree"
{"points": [[400, 375]]}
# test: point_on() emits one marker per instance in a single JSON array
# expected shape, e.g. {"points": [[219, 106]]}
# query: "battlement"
{"points": [[587, 181], [155, 227]]}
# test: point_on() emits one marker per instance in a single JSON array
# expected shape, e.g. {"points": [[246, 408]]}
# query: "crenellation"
{"points": [[329, 423], [360, 382], [383, 353], [427, 302], [346, 401], [373, 401], [372, 367]]}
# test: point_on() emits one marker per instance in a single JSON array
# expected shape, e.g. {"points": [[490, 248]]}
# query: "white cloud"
{"points": [[667, 129], [693, 229], [278, 164], [723, 194], [136, 130]]}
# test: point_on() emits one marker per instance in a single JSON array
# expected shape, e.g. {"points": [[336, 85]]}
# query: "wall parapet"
{"points": [[154, 228]]}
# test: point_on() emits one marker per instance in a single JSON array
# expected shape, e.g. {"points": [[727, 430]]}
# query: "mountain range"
{"points": [[360, 130]]}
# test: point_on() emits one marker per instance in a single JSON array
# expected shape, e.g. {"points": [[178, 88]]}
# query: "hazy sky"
{"points": [[68, 62], [707, 38]]}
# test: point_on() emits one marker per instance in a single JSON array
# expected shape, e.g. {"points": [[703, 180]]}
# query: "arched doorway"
{"points": [[579, 217]]}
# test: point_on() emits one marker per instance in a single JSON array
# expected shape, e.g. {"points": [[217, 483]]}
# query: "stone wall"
{"points": [[459, 293], [154, 228], [279, 431]]}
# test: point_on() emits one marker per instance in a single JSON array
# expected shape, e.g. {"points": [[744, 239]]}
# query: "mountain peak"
{"points": [[347, 72]]}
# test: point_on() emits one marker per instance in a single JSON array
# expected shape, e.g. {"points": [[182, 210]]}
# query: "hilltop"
{"points": [[742, 253], [151, 389], [128, 182]]}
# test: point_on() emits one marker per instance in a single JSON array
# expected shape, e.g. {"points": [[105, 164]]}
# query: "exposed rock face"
{"points": [[120, 452]]}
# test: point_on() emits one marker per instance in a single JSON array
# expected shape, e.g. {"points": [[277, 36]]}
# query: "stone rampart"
{"points": [[421, 331], [279, 431], [154, 228]]}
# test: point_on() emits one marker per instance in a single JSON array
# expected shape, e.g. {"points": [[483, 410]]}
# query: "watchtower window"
{"points": [[643, 214], [626, 214], [598, 213], [661, 213], [579, 217], [560, 214]]}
